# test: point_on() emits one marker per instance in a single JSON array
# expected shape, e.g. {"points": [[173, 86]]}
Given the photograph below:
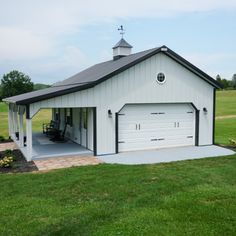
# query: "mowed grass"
{"points": [[43, 116], [3, 120], [3, 123], [183, 198], [225, 130], [226, 103], [226, 126]]}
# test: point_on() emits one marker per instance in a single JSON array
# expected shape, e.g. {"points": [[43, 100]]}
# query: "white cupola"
{"points": [[121, 49]]}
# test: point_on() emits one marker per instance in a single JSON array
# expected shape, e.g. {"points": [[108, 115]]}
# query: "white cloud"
{"points": [[71, 59], [29, 28], [60, 16], [19, 44]]}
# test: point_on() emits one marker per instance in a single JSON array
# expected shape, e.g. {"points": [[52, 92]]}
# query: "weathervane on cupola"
{"points": [[122, 31], [122, 48]]}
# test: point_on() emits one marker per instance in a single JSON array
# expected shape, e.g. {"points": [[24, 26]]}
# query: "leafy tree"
{"points": [[0, 93], [234, 81], [218, 78], [15, 83], [225, 83]]}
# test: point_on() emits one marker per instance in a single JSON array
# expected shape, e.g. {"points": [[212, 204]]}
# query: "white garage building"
{"points": [[147, 100]]}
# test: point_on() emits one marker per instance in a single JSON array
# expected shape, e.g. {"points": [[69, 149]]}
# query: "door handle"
{"points": [[139, 126], [178, 124], [175, 125], [136, 126]]}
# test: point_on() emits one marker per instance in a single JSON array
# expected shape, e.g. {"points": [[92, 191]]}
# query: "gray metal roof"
{"points": [[122, 43], [100, 72]]}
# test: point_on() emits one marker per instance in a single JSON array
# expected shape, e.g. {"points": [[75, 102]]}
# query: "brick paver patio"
{"points": [[57, 162], [65, 162], [8, 145]]}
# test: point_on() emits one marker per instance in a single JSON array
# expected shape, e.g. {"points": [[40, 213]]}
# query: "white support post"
{"points": [[29, 139], [15, 120], [21, 130], [9, 120], [12, 123]]}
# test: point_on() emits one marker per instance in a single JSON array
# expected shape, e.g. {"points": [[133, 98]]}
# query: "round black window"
{"points": [[161, 78]]}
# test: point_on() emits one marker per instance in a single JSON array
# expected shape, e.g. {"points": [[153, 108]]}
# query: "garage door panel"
{"points": [[156, 125], [153, 133], [138, 145], [144, 117]]}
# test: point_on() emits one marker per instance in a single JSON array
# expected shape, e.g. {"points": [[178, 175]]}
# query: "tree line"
{"points": [[227, 84], [16, 82]]}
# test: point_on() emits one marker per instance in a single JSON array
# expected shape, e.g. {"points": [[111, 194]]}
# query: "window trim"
{"points": [[159, 75]]}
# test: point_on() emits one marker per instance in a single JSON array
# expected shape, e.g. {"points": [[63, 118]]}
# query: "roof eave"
{"points": [[191, 67], [51, 95], [122, 47], [8, 100]]}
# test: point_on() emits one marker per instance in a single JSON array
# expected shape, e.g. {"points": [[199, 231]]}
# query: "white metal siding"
{"points": [[90, 129], [138, 85]]}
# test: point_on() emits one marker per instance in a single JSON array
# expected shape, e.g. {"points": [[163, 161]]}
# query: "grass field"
{"points": [[226, 103], [194, 197], [225, 106], [225, 130], [182, 198]]}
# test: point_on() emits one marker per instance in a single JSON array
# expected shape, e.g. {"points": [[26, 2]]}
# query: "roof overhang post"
{"points": [[10, 120], [21, 112], [15, 119], [29, 138]]}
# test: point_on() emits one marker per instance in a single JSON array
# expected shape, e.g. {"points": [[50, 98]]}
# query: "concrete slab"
{"points": [[43, 147], [166, 155]]}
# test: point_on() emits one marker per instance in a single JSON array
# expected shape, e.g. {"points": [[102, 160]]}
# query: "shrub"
{"points": [[2, 138], [8, 152], [6, 162], [232, 142]]}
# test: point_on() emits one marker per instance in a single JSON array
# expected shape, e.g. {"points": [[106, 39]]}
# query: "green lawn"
{"points": [[183, 198], [4, 125], [226, 103], [225, 130], [3, 107], [43, 116]]}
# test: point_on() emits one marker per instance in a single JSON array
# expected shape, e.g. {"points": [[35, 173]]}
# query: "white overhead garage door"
{"points": [[152, 126]]}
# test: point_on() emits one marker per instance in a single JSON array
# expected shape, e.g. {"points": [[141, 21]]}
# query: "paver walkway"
{"points": [[8, 145], [65, 162]]}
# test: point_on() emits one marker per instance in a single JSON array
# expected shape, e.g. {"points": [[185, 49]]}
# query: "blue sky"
{"points": [[52, 40]]}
